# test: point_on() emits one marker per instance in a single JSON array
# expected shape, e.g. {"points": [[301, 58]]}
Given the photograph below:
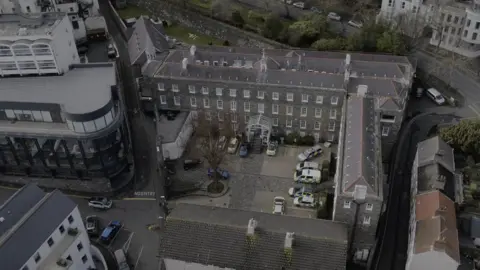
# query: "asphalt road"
{"points": [[393, 245], [136, 215]]}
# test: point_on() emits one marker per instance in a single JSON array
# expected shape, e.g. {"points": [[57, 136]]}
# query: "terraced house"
{"points": [[294, 90]]}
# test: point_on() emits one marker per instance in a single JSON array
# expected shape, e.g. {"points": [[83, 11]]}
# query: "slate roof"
{"points": [[145, 31], [30, 218], [435, 150], [217, 236], [361, 146], [436, 228], [384, 75]]}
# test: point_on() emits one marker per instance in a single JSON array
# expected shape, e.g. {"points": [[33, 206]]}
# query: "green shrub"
{"points": [[307, 140]]}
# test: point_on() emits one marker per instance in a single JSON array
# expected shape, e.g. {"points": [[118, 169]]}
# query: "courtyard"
{"points": [[254, 181]]}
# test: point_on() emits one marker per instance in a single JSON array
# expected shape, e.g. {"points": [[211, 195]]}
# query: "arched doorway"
{"points": [[259, 126]]}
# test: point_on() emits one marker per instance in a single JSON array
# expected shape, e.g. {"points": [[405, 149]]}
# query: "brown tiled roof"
{"points": [[217, 236], [436, 225]]}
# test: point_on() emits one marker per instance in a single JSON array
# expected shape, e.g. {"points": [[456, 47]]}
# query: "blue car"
{"points": [[220, 172], [111, 231], [243, 150]]}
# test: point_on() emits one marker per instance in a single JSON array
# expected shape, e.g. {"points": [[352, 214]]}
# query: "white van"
{"points": [[434, 95], [307, 176]]}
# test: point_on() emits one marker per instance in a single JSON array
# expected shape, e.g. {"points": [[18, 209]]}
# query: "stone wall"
{"points": [[205, 25]]}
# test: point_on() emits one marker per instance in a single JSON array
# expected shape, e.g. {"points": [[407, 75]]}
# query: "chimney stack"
{"points": [[184, 63], [193, 49], [289, 238], [252, 225], [347, 60]]}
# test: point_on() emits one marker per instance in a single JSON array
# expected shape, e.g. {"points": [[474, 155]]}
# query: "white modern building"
{"points": [[455, 24], [40, 43], [77, 11], [42, 231]]}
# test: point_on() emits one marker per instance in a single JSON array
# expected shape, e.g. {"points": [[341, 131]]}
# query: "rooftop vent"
{"points": [[252, 225], [289, 238]]}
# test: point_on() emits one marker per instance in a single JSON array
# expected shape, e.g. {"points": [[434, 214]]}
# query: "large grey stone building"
{"points": [[355, 100]]}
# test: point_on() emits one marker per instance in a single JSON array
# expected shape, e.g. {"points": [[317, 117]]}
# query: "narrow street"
{"points": [[393, 241]]}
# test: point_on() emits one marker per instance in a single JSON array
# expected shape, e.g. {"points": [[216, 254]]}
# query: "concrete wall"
{"points": [[206, 25]]}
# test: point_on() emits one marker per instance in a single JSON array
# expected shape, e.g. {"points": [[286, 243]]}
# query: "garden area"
{"points": [[172, 29]]}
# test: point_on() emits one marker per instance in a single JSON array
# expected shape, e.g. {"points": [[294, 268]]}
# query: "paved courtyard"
{"points": [[254, 182]]}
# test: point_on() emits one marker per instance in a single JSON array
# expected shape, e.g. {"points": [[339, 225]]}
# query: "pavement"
{"points": [[136, 215]]}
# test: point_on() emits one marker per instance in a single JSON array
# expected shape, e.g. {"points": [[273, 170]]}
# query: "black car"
{"points": [[191, 163], [92, 224]]}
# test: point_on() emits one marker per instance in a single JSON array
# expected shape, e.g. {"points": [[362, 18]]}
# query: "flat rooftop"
{"points": [[31, 24], [169, 130], [83, 89]]}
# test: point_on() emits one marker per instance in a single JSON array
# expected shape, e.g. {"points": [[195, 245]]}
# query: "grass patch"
{"points": [[132, 12], [190, 36], [205, 4]]}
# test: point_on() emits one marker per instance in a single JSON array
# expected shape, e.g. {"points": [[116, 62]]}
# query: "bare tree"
{"points": [[212, 133]]}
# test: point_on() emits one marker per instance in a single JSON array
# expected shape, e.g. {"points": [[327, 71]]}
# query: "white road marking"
{"points": [[474, 108]]}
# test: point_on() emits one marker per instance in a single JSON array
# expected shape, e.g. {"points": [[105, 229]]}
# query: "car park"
{"points": [[243, 150], [300, 5], [334, 16], [191, 164], [310, 153], [307, 176], [304, 201], [355, 24], [307, 165], [272, 148], [232, 146], [92, 224], [100, 203], [221, 173], [434, 95], [279, 205], [110, 231]]}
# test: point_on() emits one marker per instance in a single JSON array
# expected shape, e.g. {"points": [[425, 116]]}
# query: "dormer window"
{"points": [[198, 62], [224, 63], [215, 63], [206, 63]]}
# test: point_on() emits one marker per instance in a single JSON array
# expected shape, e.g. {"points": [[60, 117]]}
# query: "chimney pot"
{"points": [[252, 225], [184, 63]]}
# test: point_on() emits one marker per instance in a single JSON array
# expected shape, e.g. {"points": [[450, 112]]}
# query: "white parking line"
{"points": [[474, 108]]}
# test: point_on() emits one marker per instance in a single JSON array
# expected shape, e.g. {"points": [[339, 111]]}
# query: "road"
{"points": [[466, 85], [135, 215], [394, 239], [149, 183]]}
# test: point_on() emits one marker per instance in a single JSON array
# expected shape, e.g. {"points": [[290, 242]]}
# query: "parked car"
{"points": [[191, 163], [304, 201], [121, 259], [272, 148], [316, 10], [220, 173], [111, 51], [307, 165], [434, 95], [355, 24], [300, 189], [92, 224], [100, 203], [334, 16], [111, 231], [307, 176], [222, 141], [243, 150], [232, 146], [279, 205], [310, 153], [299, 5]]}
